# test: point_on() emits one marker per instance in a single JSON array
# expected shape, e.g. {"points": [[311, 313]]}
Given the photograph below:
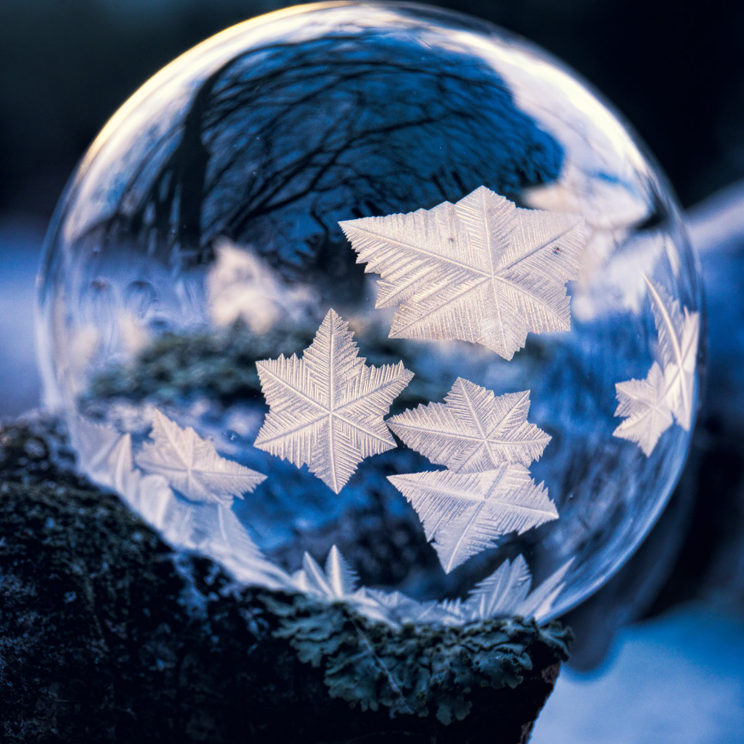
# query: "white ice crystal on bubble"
{"points": [[337, 581], [503, 591], [480, 270], [326, 409], [473, 429], [465, 513], [678, 343], [668, 390], [486, 443], [646, 409], [106, 456], [509, 591], [192, 465]]}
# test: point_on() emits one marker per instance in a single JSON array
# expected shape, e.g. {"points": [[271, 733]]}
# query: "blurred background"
{"points": [[673, 671]]}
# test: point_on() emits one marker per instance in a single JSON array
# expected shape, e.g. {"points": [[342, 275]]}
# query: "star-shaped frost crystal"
{"points": [[473, 429], [668, 390], [465, 513], [645, 406], [326, 410], [481, 270], [192, 465]]}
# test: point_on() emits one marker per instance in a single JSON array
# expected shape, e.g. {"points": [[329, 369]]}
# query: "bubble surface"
{"points": [[448, 409]]}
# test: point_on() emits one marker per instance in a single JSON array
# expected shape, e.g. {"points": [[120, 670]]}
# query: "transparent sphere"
{"points": [[421, 297]]}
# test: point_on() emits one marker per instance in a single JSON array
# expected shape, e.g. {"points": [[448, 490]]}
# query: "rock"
{"points": [[107, 635]]}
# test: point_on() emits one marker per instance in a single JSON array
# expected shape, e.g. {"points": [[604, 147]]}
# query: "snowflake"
{"points": [[465, 513], [480, 270], [192, 466], [473, 430], [644, 404], [667, 391], [326, 409]]}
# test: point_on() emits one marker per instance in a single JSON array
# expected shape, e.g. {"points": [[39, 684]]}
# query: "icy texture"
{"points": [[192, 466], [487, 442], [473, 429], [326, 409], [669, 388], [480, 270], [106, 456], [219, 231], [465, 513]]}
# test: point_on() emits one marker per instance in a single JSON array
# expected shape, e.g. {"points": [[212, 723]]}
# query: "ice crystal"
{"points": [[473, 429], [192, 466], [106, 455], [505, 592], [326, 409], [645, 406], [465, 513], [678, 342], [502, 592], [667, 391], [542, 597], [337, 581], [101, 451], [480, 270]]}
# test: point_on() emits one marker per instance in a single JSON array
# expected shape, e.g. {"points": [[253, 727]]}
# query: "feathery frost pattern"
{"points": [[337, 581], [212, 527], [106, 456], [502, 592], [507, 592], [192, 466], [644, 405], [102, 452], [465, 513], [542, 597], [481, 270], [326, 409], [486, 443], [473, 430], [678, 342], [650, 405]]}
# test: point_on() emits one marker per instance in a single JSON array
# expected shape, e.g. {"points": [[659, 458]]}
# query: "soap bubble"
{"points": [[200, 235]]}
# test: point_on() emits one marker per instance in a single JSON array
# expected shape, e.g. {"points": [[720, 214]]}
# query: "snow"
{"points": [[678, 679]]}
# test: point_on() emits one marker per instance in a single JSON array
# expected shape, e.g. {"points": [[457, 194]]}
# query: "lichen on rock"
{"points": [[108, 635]]}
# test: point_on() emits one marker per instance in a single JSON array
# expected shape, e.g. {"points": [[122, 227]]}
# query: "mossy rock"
{"points": [[108, 635]]}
